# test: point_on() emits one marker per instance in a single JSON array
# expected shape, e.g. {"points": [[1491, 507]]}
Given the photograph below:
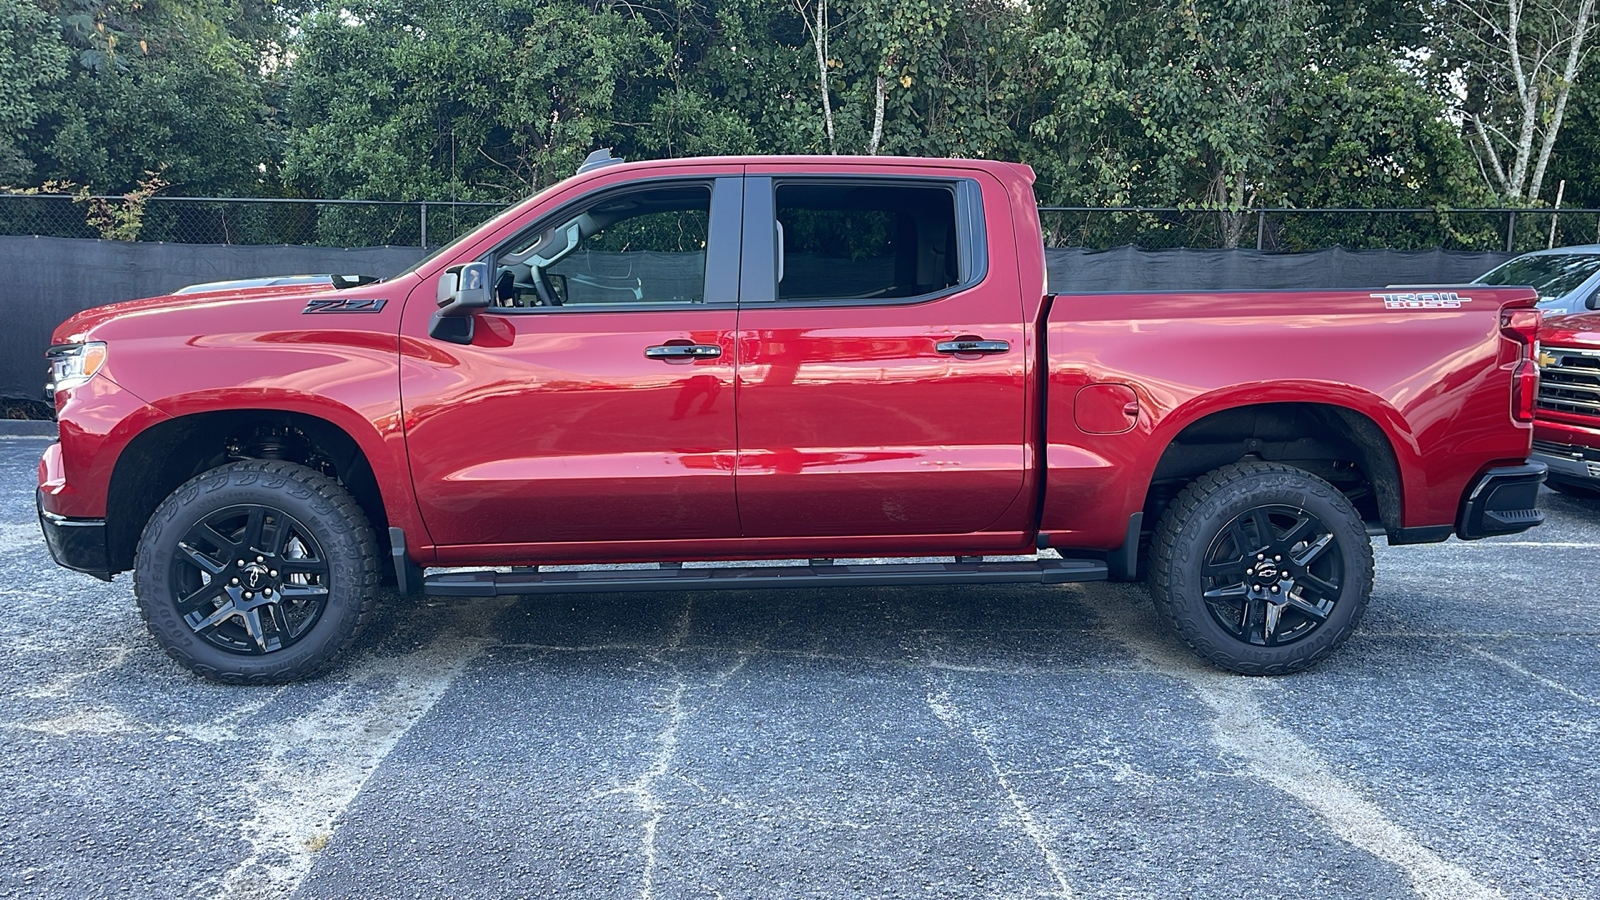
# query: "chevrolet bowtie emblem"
{"points": [[1547, 358]]}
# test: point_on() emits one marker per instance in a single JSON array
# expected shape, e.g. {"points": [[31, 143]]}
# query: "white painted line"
{"points": [[944, 706], [1547, 682], [61, 686], [89, 720], [1491, 544], [312, 768], [20, 537], [1280, 758], [1472, 635], [642, 789]]}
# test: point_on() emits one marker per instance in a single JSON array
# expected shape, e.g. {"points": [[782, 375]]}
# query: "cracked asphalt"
{"points": [[964, 742]]}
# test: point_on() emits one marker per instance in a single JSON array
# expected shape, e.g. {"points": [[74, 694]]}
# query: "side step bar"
{"points": [[531, 580]]}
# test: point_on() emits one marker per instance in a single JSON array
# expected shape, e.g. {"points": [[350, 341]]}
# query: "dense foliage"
{"points": [[1223, 104]]}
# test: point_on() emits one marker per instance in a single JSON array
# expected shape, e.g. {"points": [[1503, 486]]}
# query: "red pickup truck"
{"points": [[1566, 435], [799, 359]]}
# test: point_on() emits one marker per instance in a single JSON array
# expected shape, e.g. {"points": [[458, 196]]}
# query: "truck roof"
{"points": [[822, 163]]}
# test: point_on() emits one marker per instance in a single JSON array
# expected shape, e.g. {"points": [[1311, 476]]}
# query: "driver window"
{"points": [[638, 247]]}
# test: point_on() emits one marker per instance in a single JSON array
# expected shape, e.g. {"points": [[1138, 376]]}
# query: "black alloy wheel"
{"points": [[1262, 568], [1273, 575], [250, 579], [258, 571]]}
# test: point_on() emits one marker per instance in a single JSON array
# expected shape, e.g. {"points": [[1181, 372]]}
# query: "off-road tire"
{"points": [[1193, 527], [311, 502]]}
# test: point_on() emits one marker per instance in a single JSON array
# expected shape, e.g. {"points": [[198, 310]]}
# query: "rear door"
{"points": [[881, 364], [595, 401]]}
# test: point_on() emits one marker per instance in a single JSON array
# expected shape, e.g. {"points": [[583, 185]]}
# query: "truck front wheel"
{"points": [[257, 572], [1262, 568]]}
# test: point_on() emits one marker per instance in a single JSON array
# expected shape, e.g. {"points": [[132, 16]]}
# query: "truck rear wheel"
{"points": [[1262, 568], [257, 572]]}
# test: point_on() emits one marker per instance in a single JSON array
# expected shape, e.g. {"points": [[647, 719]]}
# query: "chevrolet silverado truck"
{"points": [[1566, 428], [819, 360]]}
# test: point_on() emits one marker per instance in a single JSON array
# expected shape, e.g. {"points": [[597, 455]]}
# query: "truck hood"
{"points": [[81, 326], [1582, 330]]}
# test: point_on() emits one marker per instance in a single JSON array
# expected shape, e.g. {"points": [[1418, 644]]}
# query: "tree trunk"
{"points": [[877, 118], [819, 39]]}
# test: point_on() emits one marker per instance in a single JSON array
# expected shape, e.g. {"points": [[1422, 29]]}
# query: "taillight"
{"points": [[1524, 391], [1522, 326]]}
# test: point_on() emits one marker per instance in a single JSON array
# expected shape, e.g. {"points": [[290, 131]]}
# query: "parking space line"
{"points": [[1487, 545], [944, 707], [1546, 681], [20, 536], [1280, 758], [642, 788], [312, 767]]}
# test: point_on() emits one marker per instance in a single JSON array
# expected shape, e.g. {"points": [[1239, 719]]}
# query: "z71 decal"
{"points": [[351, 305], [1432, 300]]}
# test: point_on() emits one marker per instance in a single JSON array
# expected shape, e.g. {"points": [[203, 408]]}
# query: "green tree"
{"points": [[154, 85], [32, 59], [487, 101], [1519, 61]]}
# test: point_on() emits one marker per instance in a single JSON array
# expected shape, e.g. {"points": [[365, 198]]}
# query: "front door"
{"points": [[595, 401], [881, 370]]}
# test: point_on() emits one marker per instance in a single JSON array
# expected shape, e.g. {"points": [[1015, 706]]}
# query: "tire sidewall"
{"points": [[293, 493], [1191, 614]]}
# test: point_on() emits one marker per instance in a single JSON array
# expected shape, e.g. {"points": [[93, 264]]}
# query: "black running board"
{"points": [[756, 578]]}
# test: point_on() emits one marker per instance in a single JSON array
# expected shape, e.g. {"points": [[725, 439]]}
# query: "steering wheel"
{"points": [[544, 288]]}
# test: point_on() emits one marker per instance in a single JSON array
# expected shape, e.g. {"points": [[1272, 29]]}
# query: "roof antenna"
{"points": [[599, 159]]}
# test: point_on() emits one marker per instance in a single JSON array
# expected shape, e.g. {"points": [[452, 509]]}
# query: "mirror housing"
{"points": [[462, 290]]}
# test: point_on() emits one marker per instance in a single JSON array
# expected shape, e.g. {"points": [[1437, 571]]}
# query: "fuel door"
{"points": [[1105, 408]]}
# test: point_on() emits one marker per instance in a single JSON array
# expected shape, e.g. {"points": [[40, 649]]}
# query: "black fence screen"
{"points": [[49, 279]]}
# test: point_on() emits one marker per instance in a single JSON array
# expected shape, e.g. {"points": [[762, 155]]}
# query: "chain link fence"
{"points": [[235, 220], [1303, 230], [367, 223]]}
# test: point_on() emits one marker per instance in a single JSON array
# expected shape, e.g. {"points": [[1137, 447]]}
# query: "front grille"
{"points": [[1569, 381], [1589, 457], [1572, 450]]}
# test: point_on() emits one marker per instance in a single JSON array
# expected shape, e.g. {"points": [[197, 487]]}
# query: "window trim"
{"points": [[723, 237], [758, 284]]}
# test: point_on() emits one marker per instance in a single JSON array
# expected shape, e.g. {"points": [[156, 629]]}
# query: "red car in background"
{"points": [[1566, 431]]}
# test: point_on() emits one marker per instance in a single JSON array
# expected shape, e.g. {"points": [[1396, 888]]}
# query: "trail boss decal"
{"points": [[350, 305], [1432, 300]]}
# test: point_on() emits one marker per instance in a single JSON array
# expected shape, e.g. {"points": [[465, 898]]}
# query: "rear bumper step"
{"points": [[1504, 501], [756, 578]]}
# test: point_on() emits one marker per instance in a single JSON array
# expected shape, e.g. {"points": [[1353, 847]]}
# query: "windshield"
{"points": [[460, 239], [1553, 275]]}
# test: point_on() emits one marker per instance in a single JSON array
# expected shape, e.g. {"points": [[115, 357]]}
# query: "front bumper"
{"points": [[77, 544], [1504, 501], [1569, 462]]}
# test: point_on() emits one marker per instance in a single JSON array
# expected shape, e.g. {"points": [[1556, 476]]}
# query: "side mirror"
{"points": [[462, 289]]}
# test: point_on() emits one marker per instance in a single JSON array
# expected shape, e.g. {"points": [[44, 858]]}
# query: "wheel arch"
{"points": [[1338, 442], [169, 452]]}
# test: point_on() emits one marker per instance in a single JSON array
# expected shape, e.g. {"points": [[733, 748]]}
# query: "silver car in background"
{"points": [[1567, 278]]}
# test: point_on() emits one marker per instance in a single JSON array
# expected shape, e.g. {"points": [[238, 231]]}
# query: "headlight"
{"points": [[73, 364]]}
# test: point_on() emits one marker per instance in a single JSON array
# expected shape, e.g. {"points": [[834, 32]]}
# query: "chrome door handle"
{"points": [[683, 351], [970, 346]]}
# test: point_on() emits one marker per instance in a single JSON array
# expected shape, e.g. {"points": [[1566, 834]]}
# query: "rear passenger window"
{"points": [[862, 242]]}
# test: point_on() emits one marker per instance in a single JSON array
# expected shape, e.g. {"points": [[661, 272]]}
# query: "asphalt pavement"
{"points": [[964, 742]]}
